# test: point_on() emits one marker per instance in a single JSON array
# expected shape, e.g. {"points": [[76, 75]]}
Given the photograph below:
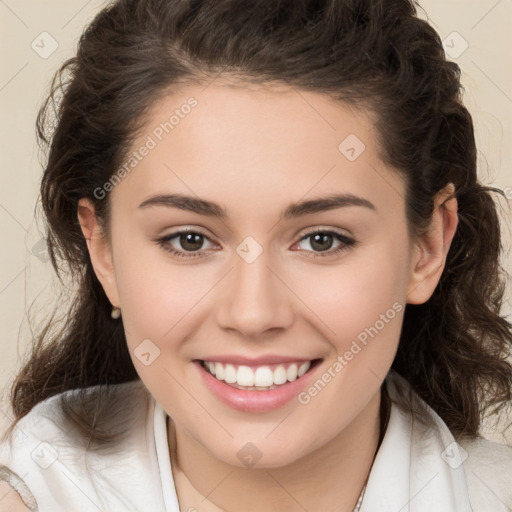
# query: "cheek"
{"points": [[359, 306], [161, 308], [353, 294], [157, 298]]}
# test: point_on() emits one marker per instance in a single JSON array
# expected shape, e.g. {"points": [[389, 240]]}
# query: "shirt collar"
{"points": [[418, 466]]}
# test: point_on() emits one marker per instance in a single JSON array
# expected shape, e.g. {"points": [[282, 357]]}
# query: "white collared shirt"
{"points": [[419, 467]]}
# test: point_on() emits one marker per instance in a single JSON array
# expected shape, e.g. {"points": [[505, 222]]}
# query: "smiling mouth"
{"points": [[258, 378]]}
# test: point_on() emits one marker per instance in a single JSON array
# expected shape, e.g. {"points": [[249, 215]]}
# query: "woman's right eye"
{"points": [[188, 239]]}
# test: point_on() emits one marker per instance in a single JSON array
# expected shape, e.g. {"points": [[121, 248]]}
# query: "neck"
{"points": [[328, 478]]}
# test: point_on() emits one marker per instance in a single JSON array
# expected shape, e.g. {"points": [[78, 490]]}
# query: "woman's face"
{"points": [[256, 282]]}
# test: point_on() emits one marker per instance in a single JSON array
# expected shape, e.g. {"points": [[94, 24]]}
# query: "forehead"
{"points": [[253, 145]]}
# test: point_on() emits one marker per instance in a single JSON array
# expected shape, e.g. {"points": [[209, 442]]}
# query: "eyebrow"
{"points": [[299, 209]]}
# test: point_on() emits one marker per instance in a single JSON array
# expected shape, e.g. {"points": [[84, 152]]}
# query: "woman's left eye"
{"points": [[191, 241], [320, 238]]}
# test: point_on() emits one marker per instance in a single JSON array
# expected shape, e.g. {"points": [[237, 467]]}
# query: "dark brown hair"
{"points": [[376, 55]]}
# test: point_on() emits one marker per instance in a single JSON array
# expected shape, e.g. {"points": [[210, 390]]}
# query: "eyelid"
{"points": [[187, 229], [304, 232], [310, 230]]}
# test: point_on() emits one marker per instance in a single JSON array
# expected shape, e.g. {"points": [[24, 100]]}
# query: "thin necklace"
{"points": [[360, 500], [385, 410]]}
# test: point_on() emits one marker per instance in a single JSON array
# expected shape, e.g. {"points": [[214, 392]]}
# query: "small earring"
{"points": [[116, 313]]}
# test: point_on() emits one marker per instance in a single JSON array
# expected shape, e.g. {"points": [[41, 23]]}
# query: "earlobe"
{"points": [[431, 249], [99, 249]]}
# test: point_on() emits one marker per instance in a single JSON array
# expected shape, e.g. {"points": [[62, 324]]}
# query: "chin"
{"points": [[259, 455]]}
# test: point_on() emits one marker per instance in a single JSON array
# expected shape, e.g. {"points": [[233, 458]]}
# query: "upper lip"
{"points": [[255, 361]]}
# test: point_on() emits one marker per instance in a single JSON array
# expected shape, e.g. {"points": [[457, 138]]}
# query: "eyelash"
{"points": [[346, 243]]}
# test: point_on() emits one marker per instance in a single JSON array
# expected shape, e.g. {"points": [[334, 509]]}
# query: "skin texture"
{"points": [[254, 151], [10, 500]]}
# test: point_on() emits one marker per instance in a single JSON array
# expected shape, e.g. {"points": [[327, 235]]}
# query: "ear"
{"points": [[431, 249], [99, 248]]}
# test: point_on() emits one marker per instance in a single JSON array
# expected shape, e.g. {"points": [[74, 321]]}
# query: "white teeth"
{"points": [[280, 376], [263, 378], [219, 371], [303, 368], [244, 376], [291, 372], [230, 374]]}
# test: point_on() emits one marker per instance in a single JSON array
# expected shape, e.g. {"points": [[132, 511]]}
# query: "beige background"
{"points": [[29, 31]]}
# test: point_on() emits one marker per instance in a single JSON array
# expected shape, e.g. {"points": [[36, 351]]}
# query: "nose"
{"points": [[255, 299]]}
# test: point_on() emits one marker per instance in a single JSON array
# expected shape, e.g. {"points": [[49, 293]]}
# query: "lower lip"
{"points": [[254, 400]]}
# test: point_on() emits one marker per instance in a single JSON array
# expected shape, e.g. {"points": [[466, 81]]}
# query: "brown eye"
{"points": [[189, 243], [321, 243]]}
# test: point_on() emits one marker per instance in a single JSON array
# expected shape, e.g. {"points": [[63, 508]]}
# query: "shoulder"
{"points": [[49, 452], [484, 466], [488, 469], [14, 495], [10, 500], [483, 451], [109, 405]]}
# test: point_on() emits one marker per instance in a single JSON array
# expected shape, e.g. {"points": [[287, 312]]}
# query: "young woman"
{"points": [[285, 272]]}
